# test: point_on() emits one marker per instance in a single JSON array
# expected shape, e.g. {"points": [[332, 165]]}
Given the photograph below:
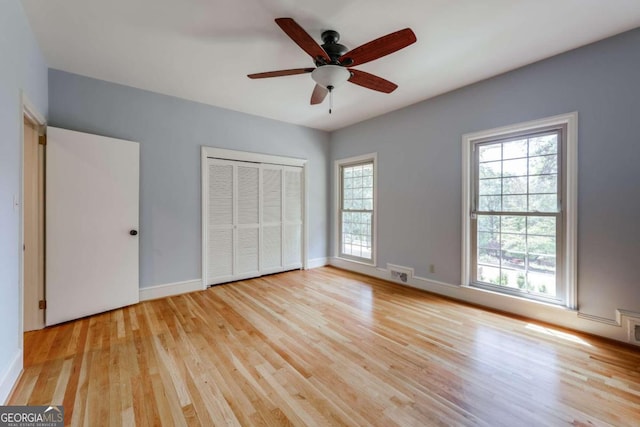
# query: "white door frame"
{"points": [[27, 109], [246, 156]]}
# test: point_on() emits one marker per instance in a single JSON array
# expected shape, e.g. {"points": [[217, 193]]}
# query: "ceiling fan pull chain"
{"points": [[330, 98]]}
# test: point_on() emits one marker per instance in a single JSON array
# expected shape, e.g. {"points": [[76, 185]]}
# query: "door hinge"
{"points": [[42, 304], [42, 140]]}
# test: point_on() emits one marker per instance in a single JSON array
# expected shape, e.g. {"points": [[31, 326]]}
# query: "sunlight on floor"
{"points": [[557, 334]]}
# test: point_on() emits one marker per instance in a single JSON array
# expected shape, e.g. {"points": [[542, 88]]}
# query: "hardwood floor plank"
{"points": [[325, 347]]}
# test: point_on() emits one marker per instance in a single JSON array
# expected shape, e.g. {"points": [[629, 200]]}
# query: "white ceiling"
{"points": [[202, 50]]}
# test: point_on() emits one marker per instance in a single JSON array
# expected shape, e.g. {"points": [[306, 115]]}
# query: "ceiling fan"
{"points": [[333, 60]]}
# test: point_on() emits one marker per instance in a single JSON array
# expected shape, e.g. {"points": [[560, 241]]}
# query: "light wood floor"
{"points": [[325, 347]]}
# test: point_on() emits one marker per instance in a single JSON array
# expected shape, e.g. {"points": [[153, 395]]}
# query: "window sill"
{"points": [[517, 299], [355, 261]]}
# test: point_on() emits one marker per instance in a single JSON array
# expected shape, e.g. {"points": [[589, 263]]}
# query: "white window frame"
{"points": [[371, 157], [569, 206]]}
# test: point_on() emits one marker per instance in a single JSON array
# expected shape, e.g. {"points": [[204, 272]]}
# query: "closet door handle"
{"points": [[133, 232]]}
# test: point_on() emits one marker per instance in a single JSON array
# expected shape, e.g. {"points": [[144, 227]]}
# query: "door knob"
{"points": [[133, 232]]}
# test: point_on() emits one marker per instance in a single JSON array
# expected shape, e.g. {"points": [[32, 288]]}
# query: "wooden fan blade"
{"points": [[370, 81], [280, 73], [301, 38], [318, 95], [378, 48]]}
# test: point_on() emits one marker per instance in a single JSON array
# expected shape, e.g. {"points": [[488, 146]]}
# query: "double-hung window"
{"points": [[517, 218], [356, 208]]}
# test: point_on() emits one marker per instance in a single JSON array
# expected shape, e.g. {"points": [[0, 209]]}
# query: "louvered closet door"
{"points": [[292, 237], [220, 238], [254, 219], [248, 221], [271, 219]]}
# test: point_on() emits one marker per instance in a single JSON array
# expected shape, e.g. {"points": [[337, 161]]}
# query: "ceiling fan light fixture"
{"points": [[330, 76]]}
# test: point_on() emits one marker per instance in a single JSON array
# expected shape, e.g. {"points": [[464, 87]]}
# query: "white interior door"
{"points": [[91, 214]]}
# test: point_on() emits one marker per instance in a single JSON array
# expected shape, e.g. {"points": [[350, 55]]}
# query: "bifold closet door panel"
{"points": [[293, 214], [248, 220], [220, 238], [271, 218]]}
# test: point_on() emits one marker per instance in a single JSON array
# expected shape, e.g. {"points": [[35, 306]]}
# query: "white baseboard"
{"points": [[10, 376], [317, 262], [618, 329], [169, 289]]}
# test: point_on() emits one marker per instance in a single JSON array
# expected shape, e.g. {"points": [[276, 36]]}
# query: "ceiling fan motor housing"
{"points": [[334, 49]]}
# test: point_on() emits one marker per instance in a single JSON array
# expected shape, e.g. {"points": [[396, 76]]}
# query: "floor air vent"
{"points": [[399, 275], [634, 331]]}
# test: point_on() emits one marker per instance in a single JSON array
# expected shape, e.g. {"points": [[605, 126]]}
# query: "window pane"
{"points": [[542, 283], [488, 257], [357, 192], [489, 240], [542, 165], [489, 203], [517, 167], [514, 149], [543, 203], [513, 260], [514, 185], [543, 184], [490, 170], [348, 183], [542, 225], [490, 186], [489, 153], [488, 274], [514, 224], [547, 144], [514, 242], [488, 223], [538, 245], [514, 203]]}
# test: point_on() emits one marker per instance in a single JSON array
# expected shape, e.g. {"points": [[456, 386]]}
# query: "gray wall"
{"points": [[419, 169], [171, 132], [22, 67]]}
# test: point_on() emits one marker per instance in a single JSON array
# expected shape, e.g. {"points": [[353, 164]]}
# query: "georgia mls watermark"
{"points": [[31, 416]]}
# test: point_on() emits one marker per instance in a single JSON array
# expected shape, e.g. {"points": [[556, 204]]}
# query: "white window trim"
{"points": [[371, 157], [570, 204]]}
